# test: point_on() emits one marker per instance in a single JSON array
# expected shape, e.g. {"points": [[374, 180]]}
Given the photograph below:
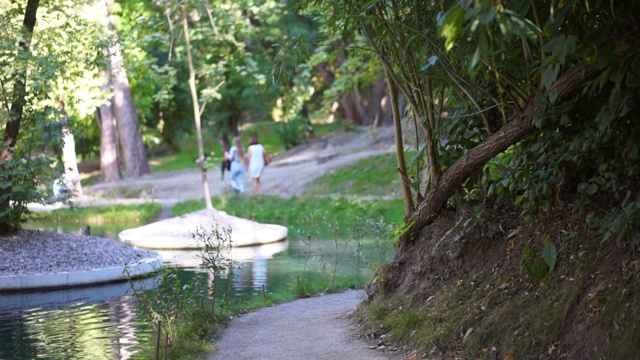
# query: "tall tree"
{"points": [[10, 217], [134, 152], [480, 77]]}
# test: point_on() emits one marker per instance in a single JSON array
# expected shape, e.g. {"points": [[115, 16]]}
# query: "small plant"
{"points": [[165, 301], [185, 312], [538, 268], [302, 287], [215, 256]]}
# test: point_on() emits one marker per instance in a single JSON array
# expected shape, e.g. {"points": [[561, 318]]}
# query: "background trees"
{"points": [[114, 73], [44, 62]]}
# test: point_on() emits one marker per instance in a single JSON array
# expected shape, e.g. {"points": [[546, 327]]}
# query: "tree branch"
{"points": [[515, 130]]}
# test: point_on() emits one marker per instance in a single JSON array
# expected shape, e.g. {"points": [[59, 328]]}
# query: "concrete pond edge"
{"points": [[141, 268]]}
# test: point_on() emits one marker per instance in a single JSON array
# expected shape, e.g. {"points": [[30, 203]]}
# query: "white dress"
{"points": [[256, 162]]}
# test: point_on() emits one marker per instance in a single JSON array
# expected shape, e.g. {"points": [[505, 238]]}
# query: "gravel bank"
{"points": [[32, 252]]}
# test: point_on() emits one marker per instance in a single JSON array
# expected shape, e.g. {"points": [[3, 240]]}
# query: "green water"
{"points": [[102, 322]]}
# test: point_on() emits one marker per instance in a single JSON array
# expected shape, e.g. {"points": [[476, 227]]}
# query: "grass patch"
{"points": [[367, 177], [434, 327], [527, 324], [172, 162], [91, 180], [617, 320], [142, 213], [294, 212], [482, 317]]}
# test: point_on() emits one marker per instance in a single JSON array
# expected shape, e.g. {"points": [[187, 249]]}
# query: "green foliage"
{"points": [[143, 213], [293, 132], [494, 61], [233, 51], [62, 63], [536, 267]]}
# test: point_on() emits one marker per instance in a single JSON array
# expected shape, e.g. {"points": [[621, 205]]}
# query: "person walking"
{"points": [[236, 156], [258, 159]]}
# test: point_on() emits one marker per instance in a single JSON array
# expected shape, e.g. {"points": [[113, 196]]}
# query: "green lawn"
{"points": [[374, 176]]}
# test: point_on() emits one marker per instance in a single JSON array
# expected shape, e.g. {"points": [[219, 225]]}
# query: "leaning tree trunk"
{"points": [[514, 131], [12, 129], [133, 150]]}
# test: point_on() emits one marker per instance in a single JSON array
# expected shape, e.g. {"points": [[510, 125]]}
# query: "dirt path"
{"points": [[288, 175], [318, 328]]}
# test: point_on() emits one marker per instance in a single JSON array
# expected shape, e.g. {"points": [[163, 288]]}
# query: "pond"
{"points": [[101, 322]]}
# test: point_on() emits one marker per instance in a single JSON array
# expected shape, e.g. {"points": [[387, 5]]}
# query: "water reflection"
{"points": [[101, 322], [81, 330], [250, 272]]}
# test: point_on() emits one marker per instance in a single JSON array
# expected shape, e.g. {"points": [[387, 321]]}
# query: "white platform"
{"points": [[175, 233]]}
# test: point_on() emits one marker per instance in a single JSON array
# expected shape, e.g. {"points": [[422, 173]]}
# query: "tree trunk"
{"points": [[133, 149], [109, 154], [375, 109], [402, 164], [514, 131], [71, 173], [109, 161], [369, 111], [196, 111], [15, 118]]}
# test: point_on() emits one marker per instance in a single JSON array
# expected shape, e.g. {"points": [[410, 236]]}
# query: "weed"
{"points": [[215, 256]]}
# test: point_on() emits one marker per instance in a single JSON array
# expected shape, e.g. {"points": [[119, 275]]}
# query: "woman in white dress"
{"points": [[256, 163]]}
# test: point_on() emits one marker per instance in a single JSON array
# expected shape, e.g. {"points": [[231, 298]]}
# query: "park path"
{"points": [[317, 328], [288, 175]]}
